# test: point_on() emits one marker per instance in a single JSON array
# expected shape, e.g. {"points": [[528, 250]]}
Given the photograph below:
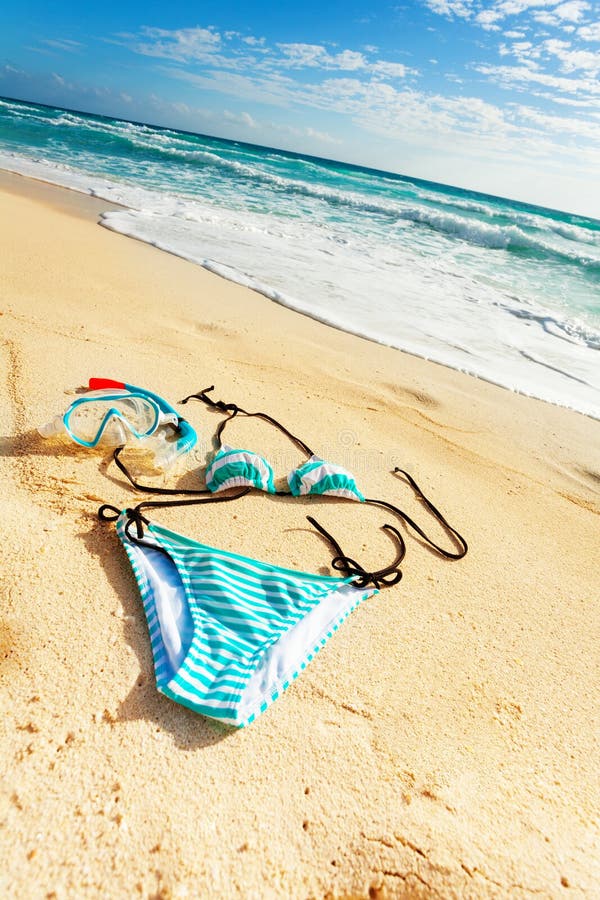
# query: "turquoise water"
{"points": [[503, 290]]}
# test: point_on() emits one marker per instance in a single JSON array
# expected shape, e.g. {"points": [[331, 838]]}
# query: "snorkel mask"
{"points": [[115, 414]]}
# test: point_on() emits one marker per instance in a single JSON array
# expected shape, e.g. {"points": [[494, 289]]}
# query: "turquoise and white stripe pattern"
{"points": [[239, 468], [319, 477], [228, 633]]}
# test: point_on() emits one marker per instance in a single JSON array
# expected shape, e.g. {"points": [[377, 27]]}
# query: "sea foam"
{"points": [[504, 291]]}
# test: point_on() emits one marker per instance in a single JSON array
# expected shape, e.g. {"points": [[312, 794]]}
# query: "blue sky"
{"points": [[501, 96]]}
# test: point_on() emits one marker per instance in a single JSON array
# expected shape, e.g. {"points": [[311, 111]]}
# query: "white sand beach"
{"points": [[444, 743]]}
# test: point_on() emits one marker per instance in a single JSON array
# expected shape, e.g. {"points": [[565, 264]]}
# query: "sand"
{"points": [[443, 744]]}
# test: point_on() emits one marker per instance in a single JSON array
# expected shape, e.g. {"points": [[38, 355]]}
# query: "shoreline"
{"points": [[76, 202], [274, 296], [440, 354], [442, 743]]}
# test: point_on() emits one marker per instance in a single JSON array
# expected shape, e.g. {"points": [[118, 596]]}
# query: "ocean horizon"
{"points": [[500, 289]]}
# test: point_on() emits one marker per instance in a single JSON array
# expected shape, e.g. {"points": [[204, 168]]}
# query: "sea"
{"points": [[502, 290]]}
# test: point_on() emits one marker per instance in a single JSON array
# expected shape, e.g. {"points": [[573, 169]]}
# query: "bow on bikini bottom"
{"points": [[228, 633]]}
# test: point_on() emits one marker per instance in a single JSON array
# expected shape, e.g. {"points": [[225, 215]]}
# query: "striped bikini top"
{"points": [[234, 467], [231, 467]]}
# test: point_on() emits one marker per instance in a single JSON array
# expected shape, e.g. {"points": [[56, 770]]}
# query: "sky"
{"points": [[501, 96]]}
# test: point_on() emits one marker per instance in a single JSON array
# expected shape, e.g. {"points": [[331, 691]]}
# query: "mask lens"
{"points": [[87, 419]]}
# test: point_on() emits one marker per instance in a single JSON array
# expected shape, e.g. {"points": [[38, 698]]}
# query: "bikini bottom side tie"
{"points": [[229, 633]]}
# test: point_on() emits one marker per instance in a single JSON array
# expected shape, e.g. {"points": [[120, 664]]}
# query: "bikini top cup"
{"points": [[239, 468], [243, 468], [235, 467], [327, 479]]}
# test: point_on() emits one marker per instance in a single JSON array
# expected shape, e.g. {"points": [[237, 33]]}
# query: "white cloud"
{"points": [[509, 76], [7, 69], [273, 90], [487, 18], [240, 119], [315, 56], [461, 8], [62, 44], [415, 117], [561, 124], [304, 55], [43, 50], [545, 18], [321, 136], [572, 60], [525, 52], [516, 7], [544, 57], [230, 51], [349, 60], [550, 12], [571, 11], [587, 103], [181, 45], [392, 70], [590, 32]]}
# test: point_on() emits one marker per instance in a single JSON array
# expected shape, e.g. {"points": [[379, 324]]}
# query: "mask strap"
{"points": [[458, 538], [386, 577], [233, 409]]}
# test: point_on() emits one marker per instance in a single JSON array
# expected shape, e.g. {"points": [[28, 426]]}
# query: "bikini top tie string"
{"points": [[109, 513], [216, 404], [233, 409], [386, 577], [154, 489], [454, 534]]}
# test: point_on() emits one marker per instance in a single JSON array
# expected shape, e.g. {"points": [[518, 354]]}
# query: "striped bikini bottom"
{"points": [[228, 633]]}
